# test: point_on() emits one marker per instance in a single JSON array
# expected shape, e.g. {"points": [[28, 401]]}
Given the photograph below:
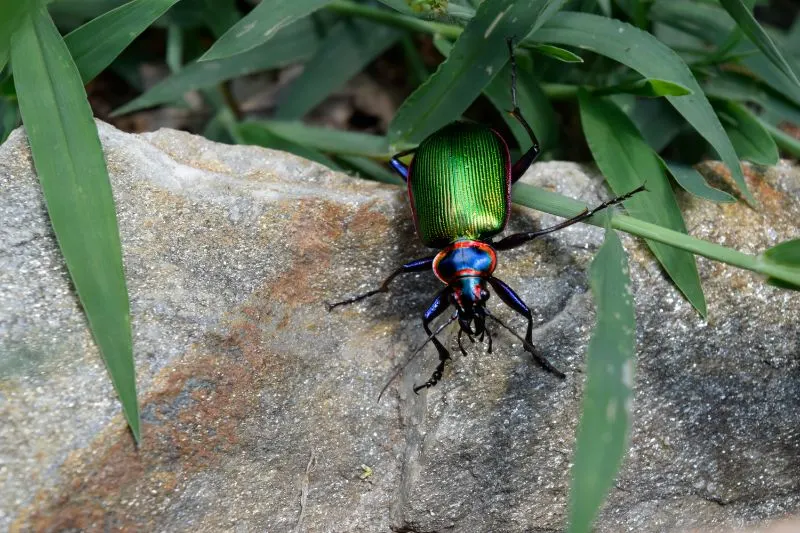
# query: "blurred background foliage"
{"points": [[644, 88]]}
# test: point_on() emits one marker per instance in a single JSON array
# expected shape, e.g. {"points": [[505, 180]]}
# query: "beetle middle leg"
{"points": [[417, 265], [518, 239], [511, 299], [437, 307]]}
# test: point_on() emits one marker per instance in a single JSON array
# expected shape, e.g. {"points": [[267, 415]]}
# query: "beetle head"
{"points": [[469, 296]]}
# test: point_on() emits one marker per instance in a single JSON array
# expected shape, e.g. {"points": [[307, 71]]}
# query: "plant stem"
{"points": [[390, 18], [559, 205]]}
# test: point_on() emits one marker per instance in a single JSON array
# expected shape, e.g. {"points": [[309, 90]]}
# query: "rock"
{"points": [[259, 407]]}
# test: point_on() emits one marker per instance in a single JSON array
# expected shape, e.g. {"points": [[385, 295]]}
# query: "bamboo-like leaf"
{"points": [[261, 25], [713, 25], [787, 256], [751, 140], [648, 88], [606, 408], [693, 182], [476, 58], [9, 118], [349, 47], [13, 13], [69, 161], [627, 161], [557, 53], [97, 43], [328, 140], [257, 134], [642, 52], [657, 121], [292, 44], [748, 24]]}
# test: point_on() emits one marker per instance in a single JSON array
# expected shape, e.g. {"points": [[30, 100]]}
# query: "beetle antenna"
{"points": [[543, 362], [416, 353], [510, 43]]}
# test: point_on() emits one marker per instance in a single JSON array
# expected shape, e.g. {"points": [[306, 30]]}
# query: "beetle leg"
{"points": [[530, 156], [437, 307], [517, 239], [417, 265], [400, 167], [511, 299]]}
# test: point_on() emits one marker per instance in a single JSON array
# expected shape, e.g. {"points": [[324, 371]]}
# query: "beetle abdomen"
{"points": [[459, 184]]}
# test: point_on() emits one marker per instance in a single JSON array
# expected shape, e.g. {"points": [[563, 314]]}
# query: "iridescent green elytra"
{"points": [[459, 184]]}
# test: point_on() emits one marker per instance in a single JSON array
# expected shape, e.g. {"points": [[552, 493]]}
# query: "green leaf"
{"points": [[371, 170], [751, 140], [627, 161], [657, 121], [648, 88], [748, 24], [349, 47], [9, 118], [13, 13], [69, 161], [713, 25], [785, 255], [645, 54], [786, 142], [606, 408], [260, 25], [693, 182], [97, 43], [292, 44], [256, 134], [557, 53], [328, 140], [478, 55]]}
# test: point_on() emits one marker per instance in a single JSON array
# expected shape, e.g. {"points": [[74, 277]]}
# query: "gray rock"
{"points": [[259, 407]]}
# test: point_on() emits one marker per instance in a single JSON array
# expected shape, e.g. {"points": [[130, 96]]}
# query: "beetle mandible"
{"points": [[459, 185]]}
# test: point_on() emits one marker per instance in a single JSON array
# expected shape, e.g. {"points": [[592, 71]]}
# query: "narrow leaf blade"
{"points": [[475, 59], [692, 181], [627, 161], [751, 141], [748, 24], [606, 407], [785, 255], [69, 161], [292, 44], [328, 140], [257, 134], [260, 25], [97, 43], [346, 50], [557, 53], [642, 52]]}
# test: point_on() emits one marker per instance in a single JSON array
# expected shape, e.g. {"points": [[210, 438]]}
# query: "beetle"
{"points": [[459, 186]]}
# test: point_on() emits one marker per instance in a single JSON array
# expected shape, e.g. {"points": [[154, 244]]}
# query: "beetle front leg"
{"points": [[511, 299], [437, 307], [518, 239], [417, 265]]}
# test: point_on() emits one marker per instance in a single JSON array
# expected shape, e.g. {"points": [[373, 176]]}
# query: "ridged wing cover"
{"points": [[459, 184]]}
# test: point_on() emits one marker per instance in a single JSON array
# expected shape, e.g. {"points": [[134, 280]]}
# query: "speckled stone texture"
{"points": [[259, 406]]}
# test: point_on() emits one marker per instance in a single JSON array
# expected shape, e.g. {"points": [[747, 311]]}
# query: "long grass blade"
{"points": [[69, 161]]}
